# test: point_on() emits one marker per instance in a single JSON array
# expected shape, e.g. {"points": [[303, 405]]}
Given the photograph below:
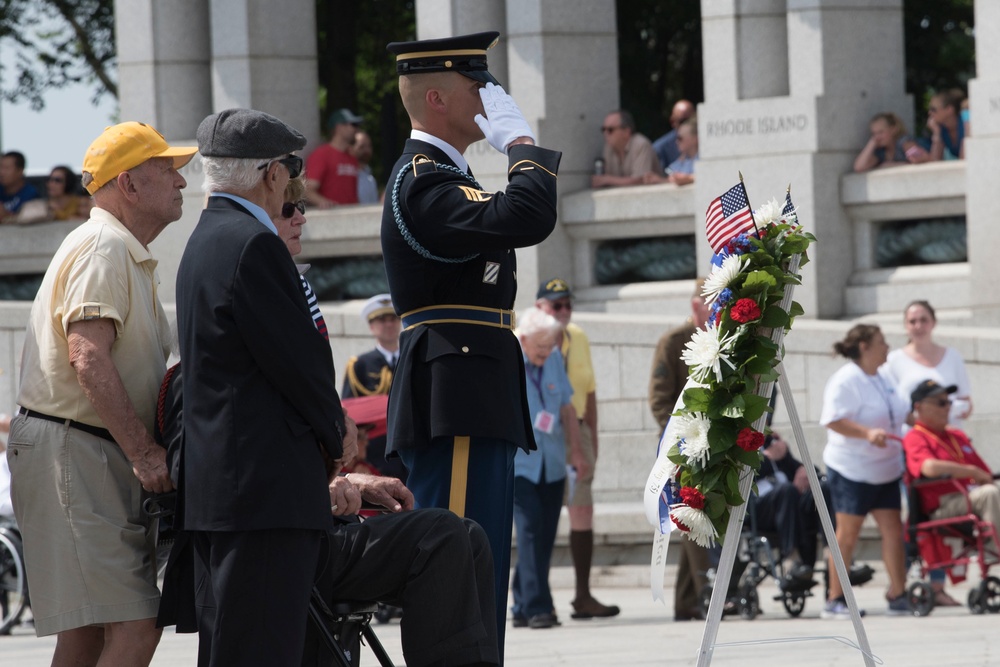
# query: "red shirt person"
{"points": [[331, 170], [933, 450]]}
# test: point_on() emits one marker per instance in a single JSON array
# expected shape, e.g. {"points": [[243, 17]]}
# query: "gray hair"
{"points": [[231, 174], [534, 321]]}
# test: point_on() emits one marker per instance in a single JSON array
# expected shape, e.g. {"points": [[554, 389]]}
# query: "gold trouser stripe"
{"points": [[459, 474]]}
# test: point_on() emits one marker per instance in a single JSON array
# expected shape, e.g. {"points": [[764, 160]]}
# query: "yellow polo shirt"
{"points": [[579, 367], [99, 271]]}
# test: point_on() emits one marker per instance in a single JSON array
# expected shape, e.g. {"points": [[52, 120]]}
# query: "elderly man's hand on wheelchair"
{"points": [[348, 493]]}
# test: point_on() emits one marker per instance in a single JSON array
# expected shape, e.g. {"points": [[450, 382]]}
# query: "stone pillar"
{"points": [[559, 60], [797, 116], [163, 64], [982, 158], [264, 57]]}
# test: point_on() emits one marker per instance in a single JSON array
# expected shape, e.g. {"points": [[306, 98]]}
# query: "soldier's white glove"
{"points": [[504, 122]]}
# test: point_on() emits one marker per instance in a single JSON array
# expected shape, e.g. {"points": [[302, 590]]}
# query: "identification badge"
{"points": [[545, 421]]}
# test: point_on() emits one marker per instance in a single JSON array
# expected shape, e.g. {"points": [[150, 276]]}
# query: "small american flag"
{"points": [[789, 208], [728, 216]]}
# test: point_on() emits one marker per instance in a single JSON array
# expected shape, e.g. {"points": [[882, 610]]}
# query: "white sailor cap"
{"points": [[378, 305]]}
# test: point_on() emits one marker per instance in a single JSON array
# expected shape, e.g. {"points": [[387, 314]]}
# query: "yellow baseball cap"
{"points": [[125, 146]]}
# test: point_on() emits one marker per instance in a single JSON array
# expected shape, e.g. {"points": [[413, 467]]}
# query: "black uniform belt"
{"points": [[80, 426], [452, 314]]}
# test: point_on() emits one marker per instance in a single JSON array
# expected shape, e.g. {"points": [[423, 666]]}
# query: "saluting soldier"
{"points": [[370, 374], [457, 409]]}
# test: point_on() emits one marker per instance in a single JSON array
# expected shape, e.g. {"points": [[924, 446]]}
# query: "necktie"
{"points": [[314, 308]]}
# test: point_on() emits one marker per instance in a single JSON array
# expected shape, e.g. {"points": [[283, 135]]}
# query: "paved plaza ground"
{"points": [[645, 634]]}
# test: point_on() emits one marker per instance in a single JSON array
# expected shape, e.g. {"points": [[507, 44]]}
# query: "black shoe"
{"points": [[693, 614], [542, 621], [520, 622]]}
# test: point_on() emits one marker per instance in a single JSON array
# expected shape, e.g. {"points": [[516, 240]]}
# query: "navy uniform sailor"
{"points": [[457, 408], [370, 374]]}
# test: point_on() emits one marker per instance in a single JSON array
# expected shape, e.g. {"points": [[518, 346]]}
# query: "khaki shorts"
{"points": [[89, 554], [582, 493]]}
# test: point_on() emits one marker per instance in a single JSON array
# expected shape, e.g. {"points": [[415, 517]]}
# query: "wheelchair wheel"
{"points": [[748, 602], [989, 594], [793, 603], [13, 584], [975, 602], [921, 598]]}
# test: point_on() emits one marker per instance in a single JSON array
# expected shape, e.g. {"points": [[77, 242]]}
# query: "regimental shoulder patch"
{"points": [[91, 312], [423, 165], [491, 273], [475, 195]]}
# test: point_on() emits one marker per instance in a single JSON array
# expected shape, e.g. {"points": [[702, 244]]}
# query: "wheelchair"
{"points": [[951, 544], [13, 581], [759, 557]]}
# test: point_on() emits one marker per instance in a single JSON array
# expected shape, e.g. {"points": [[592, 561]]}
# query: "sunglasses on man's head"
{"points": [[288, 208], [293, 163]]}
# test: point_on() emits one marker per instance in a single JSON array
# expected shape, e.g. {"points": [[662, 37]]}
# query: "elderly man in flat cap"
{"points": [[263, 426], [81, 450], [457, 408]]}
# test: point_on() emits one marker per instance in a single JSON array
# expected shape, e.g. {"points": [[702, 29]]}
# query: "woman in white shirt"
{"points": [[922, 359], [863, 415]]}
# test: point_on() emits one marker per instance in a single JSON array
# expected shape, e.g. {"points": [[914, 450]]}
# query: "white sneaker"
{"points": [[837, 610]]}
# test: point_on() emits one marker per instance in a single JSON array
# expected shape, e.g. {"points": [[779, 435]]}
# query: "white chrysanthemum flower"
{"points": [[720, 278], [700, 528], [769, 213], [690, 431], [706, 351]]}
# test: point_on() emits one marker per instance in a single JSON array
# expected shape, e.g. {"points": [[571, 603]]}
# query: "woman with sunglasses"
{"points": [[63, 200]]}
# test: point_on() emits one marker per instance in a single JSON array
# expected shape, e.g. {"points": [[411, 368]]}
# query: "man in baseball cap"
{"points": [[94, 354], [332, 169]]}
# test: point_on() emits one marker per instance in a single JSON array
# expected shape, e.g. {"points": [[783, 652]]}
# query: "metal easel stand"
{"points": [[725, 569]]}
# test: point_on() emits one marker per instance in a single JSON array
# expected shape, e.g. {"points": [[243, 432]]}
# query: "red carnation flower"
{"points": [[692, 497], [680, 526], [745, 310], [749, 440]]}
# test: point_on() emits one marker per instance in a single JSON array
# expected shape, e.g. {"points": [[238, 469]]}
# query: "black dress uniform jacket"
{"points": [[454, 246], [366, 375], [260, 398]]}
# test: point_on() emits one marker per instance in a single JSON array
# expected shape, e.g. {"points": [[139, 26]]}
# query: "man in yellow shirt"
{"points": [[555, 298]]}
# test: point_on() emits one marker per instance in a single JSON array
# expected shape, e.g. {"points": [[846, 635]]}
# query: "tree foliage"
{"points": [[58, 42], [940, 48], [659, 59], [356, 71]]}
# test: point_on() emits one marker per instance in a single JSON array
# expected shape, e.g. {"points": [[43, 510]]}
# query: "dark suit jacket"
{"points": [[461, 379], [258, 382]]}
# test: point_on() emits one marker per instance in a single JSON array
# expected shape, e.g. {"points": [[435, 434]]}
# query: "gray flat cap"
{"points": [[247, 133]]}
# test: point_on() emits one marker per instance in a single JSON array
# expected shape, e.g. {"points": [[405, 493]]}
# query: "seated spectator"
{"points": [[64, 202], [333, 171], [628, 155], [540, 476], [362, 152], [14, 190], [665, 147], [933, 450], [681, 170], [889, 145], [948, 131], [785, 505]]}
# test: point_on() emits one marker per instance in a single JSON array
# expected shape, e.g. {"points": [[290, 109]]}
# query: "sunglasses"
{"points": [[293, 163], [562, 305], [941, 402], [56, 179], [609, 130], [288, 208]]}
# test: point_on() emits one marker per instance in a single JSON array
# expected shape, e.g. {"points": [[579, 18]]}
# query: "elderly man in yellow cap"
{"points": [[81, 447]]}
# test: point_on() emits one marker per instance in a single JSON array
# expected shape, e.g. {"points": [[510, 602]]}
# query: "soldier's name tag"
{"points": [[545, 421]]}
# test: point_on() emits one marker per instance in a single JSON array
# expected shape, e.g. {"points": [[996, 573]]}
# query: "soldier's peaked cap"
{"points": [[465, 54]]}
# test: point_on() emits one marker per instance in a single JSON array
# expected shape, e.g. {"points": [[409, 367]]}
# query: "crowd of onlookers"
{"points": [[23, 203]]}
